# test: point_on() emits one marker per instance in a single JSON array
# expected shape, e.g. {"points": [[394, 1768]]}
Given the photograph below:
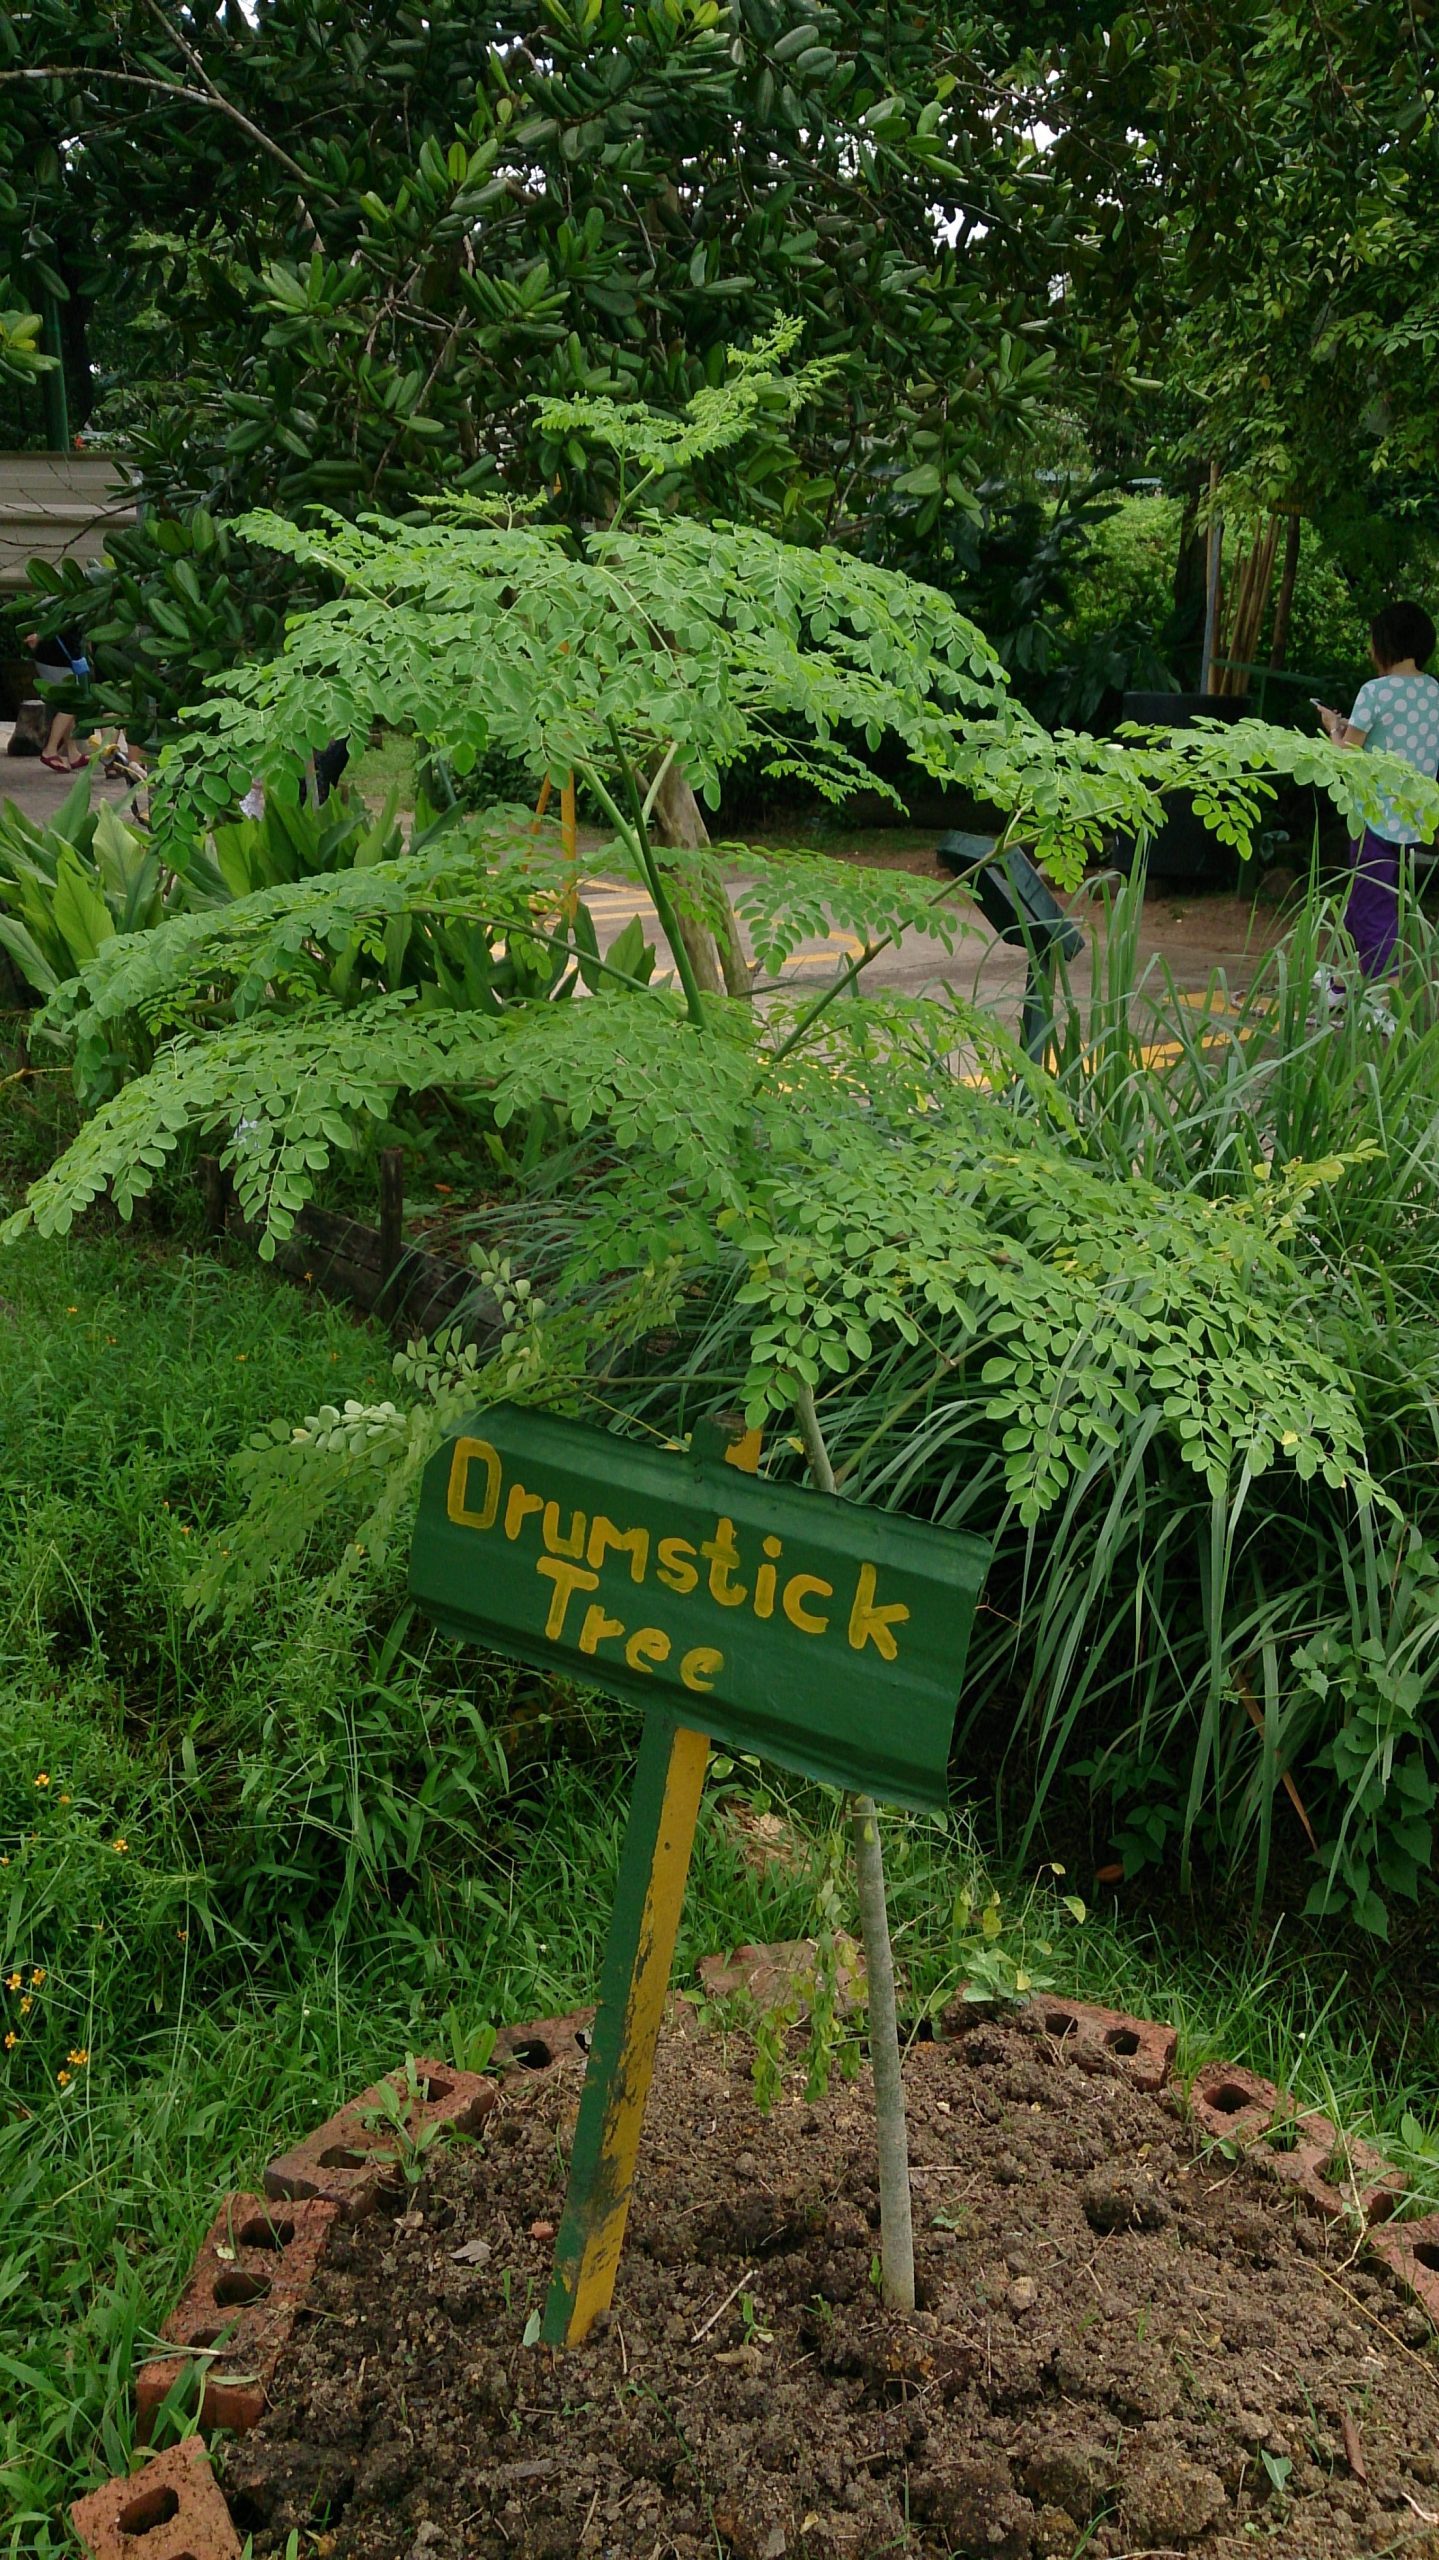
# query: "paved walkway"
{"points": [[33, 788], [1194, 936]]}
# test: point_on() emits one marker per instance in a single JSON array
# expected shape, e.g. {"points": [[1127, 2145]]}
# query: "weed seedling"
{"points": [[411, 2144], [1277, 2467]]}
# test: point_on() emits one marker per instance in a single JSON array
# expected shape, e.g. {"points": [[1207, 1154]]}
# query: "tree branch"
{"points": [[81, 75]]}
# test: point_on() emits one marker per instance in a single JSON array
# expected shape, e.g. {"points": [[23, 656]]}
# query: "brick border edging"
{"points": [[308, 2191], [174, 2501], [250, 2276]]}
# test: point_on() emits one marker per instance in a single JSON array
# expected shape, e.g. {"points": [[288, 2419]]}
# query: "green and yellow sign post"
{"points": [[828, 1638]]}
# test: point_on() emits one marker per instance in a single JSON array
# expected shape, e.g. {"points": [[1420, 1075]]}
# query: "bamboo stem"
{"points": [[1284, 601]]}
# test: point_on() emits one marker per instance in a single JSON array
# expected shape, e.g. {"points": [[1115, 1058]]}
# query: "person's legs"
{"points": [[62, 729], [1371, 917]]}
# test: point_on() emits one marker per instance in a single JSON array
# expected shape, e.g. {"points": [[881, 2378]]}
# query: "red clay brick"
{"points": [[171, 2510], [1138, 2047], [544, 2041], [253, 2271], [349, 2162], [783, 1975], [1304, 2163], [1231, 2104], [1411, 2252]]}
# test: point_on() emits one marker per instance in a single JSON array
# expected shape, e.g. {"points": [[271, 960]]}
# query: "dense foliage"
{"points": [[820, 1170]]}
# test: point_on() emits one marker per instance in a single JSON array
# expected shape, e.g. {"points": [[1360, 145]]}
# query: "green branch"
{"points": [[638, 835]]}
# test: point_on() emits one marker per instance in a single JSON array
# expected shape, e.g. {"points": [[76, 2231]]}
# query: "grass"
{"points": [[342, 1842]]}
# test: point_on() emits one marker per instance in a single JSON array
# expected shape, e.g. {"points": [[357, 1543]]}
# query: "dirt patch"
{"points": [[1121, 2349]]}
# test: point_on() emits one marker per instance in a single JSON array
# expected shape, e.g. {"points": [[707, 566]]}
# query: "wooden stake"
{"points": [[639, 1952], [648, 1897]]}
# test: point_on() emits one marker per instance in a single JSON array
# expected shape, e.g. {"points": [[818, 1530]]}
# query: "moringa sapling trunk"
{"points": [[896, 2225], [677, 818]]}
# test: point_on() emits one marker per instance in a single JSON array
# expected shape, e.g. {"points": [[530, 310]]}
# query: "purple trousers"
{"points": [[1371, 918]]}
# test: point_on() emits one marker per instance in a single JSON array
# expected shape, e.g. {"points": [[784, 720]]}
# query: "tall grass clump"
{"points": [[1186, 1651]]}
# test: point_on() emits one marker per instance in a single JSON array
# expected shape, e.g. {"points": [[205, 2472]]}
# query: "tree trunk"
{"points": [[678, 820]]}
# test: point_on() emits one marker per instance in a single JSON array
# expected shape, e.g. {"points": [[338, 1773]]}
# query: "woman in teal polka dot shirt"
{"points": [[1397, 711]]}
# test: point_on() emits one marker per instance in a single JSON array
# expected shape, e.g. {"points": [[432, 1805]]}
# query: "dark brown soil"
{"points": [[1115, 2334]]}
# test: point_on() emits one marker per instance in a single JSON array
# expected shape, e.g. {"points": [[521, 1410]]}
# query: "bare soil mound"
{"points": [[1124, 2347]]}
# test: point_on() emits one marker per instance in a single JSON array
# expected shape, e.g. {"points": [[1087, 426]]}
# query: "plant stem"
{"points": [[896, 2227], [813, 1438], [638, 834]]}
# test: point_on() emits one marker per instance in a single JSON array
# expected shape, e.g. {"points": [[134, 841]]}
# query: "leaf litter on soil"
{"points": [[1123, 2346]]}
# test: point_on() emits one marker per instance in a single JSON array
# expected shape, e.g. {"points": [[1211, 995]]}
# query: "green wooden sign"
{"points": [[823, 1636], [829, 1638]]}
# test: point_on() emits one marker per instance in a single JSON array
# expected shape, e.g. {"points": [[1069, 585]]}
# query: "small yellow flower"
{"points": [[240, 1359], [37, 1977], [43, 1780], [64, 1799], [11, 2041], [79, 2054], [184, 1532], [72, 1311], [13, 1981], [182, 1935], [26, 2005], [109, 1337], [120, 1846], [64, 2079]]}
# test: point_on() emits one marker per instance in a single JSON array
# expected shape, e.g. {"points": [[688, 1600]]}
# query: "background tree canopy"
{"points": [[293, 255], [344, 253]]}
